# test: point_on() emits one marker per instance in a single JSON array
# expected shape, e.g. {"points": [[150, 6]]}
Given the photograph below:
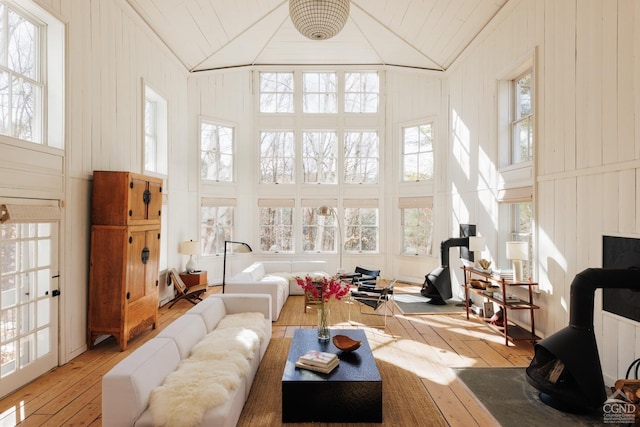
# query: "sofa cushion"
{"points": [[211, 310], [187, 330], [256, 271], [271, 267], [308, 266], [127, 386]]}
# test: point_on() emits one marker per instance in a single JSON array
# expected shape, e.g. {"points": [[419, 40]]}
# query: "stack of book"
{"points": [[318, 361]]}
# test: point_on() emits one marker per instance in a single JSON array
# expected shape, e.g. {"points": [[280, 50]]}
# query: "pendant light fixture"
{"points": [[319, 19]]}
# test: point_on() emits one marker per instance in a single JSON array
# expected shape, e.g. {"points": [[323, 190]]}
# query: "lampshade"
{"points": [[518, 250], [319, 19], [476, 243], [188, 248]]}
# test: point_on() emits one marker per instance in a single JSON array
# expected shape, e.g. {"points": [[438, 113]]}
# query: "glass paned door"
{"points": [[28, 306]]}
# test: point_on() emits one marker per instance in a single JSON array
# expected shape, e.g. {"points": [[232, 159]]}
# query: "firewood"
{"points": [[556, 371]]}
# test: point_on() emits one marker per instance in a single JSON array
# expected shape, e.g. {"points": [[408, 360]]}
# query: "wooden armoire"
{"points": [[125, 253]]}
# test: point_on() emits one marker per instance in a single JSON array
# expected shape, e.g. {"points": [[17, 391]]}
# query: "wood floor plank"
{"points": [[426, 345]]}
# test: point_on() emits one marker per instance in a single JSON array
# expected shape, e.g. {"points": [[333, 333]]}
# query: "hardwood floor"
{"points": [[429, 345]]}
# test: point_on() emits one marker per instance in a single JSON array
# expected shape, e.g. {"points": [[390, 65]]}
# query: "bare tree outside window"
{"points": [[361, 92], [417, 164], [276, 229], [318, 232], [216, 226], [521, 226], [522, 123], [361, 157], [319, 92], [21, 87], [361, 230], [277, 157], [417, 228], [216, 152], [276, 92], [319, 157]]}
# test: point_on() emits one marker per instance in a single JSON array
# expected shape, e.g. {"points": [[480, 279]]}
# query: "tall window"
{"points": [[277, 157], [417, 228], [361, 229], [417, 153], [276, 92], [522, 118], [216, 224], [155, 132], [276, 225], [319, 93], [319, 157], [521, 220], [216, 152], [361, 157], [319, 232], [361, 92], [21, 78]]}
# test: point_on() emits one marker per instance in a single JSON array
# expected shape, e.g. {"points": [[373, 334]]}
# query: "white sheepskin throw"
{"points": [[253, 321], [215, 367], [191, 390], [219, 342]]}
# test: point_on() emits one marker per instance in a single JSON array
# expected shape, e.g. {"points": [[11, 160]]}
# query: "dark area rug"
{"points": [[512, 401], [415, 303]]}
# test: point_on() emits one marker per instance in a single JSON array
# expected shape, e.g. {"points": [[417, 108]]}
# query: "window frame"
{"points": [[50, 77], [281, 209], [516, 119], [158, 137], [428, 231], [231, 154], [226, 230], [430, 122], [359, 160]]}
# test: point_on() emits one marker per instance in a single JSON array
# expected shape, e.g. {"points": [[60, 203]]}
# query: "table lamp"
{"points": [[476, 245], [517, 252], [190, 248]]}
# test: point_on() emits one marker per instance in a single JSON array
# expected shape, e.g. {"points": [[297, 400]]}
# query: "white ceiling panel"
{"points": [[214, 34]]}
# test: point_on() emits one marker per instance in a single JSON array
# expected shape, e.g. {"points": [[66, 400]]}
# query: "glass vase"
{"points": [[323, 323]]}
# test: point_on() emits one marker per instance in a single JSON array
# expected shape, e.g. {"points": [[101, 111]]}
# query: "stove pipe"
{"points": [[437, 284], [580, 387]]}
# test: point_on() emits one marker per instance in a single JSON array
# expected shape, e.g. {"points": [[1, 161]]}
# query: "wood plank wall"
{"points": [[110, 55], [588, 142]]}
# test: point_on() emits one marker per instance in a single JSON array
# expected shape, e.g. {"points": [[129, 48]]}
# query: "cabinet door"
{"points": [[154, 208], [153, 263], [138, 197]]}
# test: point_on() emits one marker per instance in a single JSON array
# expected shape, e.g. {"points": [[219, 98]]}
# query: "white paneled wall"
{"points": [[587, 157], [111, 54], [588, 141]]}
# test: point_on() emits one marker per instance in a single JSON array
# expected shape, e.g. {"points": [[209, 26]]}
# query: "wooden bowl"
{"points": [[346, 343]]}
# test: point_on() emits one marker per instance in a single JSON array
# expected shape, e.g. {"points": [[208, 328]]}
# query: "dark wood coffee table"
{"points": [[352, 392]]}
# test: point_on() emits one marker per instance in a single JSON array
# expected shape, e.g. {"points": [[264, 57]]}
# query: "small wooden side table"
{"points": [[193, 279]]}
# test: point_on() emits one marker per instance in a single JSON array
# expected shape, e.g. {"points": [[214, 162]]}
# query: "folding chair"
{"points": [[192, 294], [375, 300]]}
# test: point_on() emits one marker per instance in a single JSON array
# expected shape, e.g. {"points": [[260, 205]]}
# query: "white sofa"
{"points": [[128, 386], [276, 278]]}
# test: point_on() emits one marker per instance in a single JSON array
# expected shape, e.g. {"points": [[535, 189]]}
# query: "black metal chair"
{"points": [[365, 279], [375, 300]]}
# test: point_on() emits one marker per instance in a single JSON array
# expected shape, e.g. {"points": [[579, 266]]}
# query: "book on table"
{"points": [[323, 369], [318, 361]]}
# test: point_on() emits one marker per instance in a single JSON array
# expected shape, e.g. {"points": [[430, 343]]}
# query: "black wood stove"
{"points": [[566, 366]]}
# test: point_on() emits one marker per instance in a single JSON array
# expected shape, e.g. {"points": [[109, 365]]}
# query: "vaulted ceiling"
{"points": [[215, 34]]}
